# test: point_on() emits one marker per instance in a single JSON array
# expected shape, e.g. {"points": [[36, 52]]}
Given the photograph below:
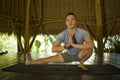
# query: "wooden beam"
{"points": [[111, 28], [88, 29], [42, 16], [100, 18], [27, 25], [35, 11], [18, 36], [40, 24]]}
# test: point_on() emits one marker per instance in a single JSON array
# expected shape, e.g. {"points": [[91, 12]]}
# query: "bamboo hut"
{"points": [[30, 17]]}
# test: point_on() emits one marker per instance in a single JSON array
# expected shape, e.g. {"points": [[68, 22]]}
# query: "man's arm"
{"points": [[57, 47], [88, 44]]}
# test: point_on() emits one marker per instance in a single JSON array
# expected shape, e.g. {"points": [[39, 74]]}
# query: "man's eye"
{"points": [[67, 20], [73, 19]]}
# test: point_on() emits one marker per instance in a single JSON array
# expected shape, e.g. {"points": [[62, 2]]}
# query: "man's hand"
{"points": [[66, 46], [70, 41]]}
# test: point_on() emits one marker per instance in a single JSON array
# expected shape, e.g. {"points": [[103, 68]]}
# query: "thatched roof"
{"points": [[47, 16]]}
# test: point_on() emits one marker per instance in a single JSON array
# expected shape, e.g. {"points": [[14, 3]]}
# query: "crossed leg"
{"points": [[56, 58], [84, 55]]}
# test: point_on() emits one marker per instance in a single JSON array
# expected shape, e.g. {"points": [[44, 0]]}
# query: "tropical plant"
{"points": [[113, 44], [37, 44], [8, 43], [51, 38]]}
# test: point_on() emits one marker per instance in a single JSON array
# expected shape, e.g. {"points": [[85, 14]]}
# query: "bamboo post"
{"points": [[18, 36], [42, 15], [20, 47], [88, 29], [38, 24], [27, 25], [111, 27], [41, 25], [100, 24]]}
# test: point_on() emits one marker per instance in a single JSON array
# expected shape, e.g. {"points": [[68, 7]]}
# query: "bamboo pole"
{"points": [[99, 23], [18, 36], [27, 25], [88, 29], [40, 24], [42, 15], [111, 28], [35, 11]]}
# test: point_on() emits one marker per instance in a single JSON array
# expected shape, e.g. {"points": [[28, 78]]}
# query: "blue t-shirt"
{"points": [[79, 35]]}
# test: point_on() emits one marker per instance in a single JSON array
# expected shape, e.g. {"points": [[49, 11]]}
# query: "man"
{"points": [[77, 42]]}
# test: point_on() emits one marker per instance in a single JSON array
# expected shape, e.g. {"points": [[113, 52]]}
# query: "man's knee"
{"points": [[81, 53], [90, 51], [60, 58], [85, 52]]}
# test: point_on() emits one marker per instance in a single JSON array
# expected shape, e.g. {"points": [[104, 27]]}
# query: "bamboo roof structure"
{"points": [[32, 17], [49, 15]]}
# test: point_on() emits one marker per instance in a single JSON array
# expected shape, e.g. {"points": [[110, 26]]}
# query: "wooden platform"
{"points": [[63, 69], [8, 60]]}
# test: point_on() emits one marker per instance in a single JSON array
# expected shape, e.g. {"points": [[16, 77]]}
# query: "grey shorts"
{"points": [[69, 58]]}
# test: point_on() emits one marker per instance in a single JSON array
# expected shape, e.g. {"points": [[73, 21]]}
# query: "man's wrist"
{"points": [[66, 46]]}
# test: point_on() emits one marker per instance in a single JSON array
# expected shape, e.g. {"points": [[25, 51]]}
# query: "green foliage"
{"points": [[51, 38], [37, 44], [46, 39], [43, 43], [113, 43], [8, 43]]}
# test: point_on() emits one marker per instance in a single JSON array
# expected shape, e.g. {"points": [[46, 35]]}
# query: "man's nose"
{"points": [[70, 21]]}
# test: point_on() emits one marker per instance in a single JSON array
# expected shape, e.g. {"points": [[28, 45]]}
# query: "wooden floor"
{"points": [[15, 76], [18, 76], [5, 61]]}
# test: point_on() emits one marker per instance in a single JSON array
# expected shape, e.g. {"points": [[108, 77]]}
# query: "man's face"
{"points": [[70, 21]]}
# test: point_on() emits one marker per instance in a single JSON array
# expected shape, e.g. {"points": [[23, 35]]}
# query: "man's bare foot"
{"points": [[83, 67], [28, 59]]}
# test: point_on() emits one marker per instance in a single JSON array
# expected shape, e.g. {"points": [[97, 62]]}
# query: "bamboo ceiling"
{"points": [[48, 16]]}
